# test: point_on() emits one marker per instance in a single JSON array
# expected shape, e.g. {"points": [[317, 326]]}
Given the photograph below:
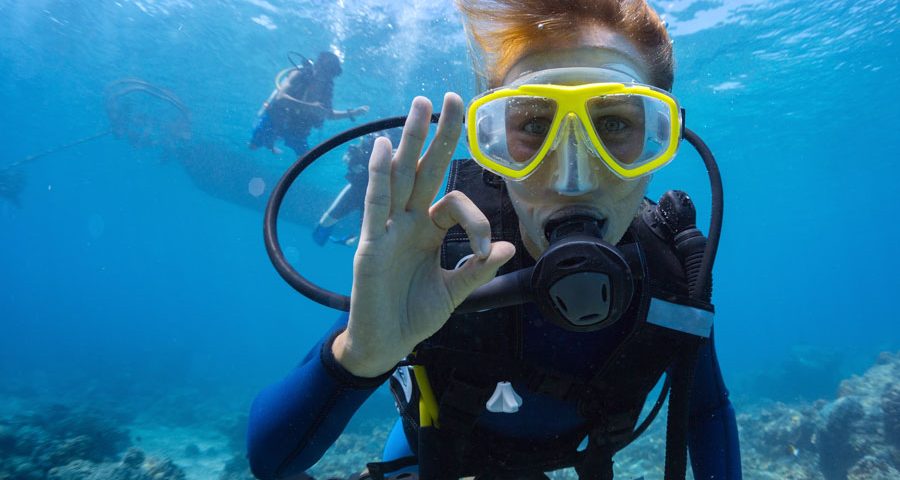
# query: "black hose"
{"points": [[685, 366], [653, 411], [715, 222], [290, 57]]}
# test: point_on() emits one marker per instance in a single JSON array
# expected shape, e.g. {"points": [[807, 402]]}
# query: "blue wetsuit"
{"points": [[294, 421]]}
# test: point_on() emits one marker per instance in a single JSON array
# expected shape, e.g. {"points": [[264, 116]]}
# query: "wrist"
{"points": [[353, 359]]}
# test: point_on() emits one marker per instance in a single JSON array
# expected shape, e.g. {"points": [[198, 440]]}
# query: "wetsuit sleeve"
{"points": [[713, 436], [294, 421]]}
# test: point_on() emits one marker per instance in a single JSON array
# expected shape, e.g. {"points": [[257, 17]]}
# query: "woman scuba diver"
{"points": [[600, 291]]}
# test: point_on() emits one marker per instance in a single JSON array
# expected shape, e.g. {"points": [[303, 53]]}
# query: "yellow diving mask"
{"points": [[633, 129]]}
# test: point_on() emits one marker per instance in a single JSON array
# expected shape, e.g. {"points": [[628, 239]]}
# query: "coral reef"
{"points": [[839, 444], [779, 439], [871, 468], [237, 468], [60, 443], [162, 469], [132, 467], [890, 405], [133, 458], [352, 451], [855, 439], [852, 437]]}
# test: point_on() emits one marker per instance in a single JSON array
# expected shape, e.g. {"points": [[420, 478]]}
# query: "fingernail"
{"points": [[485, 246], [419, 104]]}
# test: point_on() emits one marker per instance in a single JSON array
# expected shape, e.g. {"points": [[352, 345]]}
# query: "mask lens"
{"points": [[512, 130], [633, 129]]}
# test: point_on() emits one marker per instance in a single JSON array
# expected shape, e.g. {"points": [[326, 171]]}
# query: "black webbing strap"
{"points": [[376, 470], [679, 413], [441, 454], [596, 464], [462, 402]]}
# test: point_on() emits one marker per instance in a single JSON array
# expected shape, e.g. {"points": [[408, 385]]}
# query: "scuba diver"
{"points": [[353, 194], [301, 101], [523, 318]]}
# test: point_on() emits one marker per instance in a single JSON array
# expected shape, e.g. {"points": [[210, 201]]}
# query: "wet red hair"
{"points": [[506, 30]]}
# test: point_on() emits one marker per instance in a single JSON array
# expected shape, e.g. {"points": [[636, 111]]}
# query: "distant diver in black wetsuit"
{"points": [[353, 194], [301, 101]]}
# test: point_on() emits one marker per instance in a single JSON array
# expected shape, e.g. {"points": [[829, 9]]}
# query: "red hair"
{"points": [[505, 30]]}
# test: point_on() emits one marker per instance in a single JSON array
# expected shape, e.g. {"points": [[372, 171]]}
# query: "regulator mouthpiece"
{"points": [[581, 282]]}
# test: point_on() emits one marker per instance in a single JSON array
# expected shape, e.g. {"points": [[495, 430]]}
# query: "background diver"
{"points": [[301, 101], [352, 196], [573, 117]]}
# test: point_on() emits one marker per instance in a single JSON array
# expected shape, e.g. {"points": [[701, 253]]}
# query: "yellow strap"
{"points": [[428, 408], [424, 416]]}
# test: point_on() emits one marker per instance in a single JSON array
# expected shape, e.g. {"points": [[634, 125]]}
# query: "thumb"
{"points": [[477, 271]]}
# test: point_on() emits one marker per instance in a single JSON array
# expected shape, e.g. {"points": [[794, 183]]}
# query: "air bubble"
{"points": [[256, 187]]}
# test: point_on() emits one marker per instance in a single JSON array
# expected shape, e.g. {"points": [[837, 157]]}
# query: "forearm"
{"points": [[294, 421]]}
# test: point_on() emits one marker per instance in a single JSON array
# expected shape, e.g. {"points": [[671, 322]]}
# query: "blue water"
{"points": [[121, 273]]}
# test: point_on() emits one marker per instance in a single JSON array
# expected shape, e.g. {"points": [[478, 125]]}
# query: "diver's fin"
{"points": [[321, 234], [348, 240]]}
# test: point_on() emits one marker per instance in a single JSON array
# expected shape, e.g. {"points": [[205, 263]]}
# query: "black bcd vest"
{"points": [[472, 352]]}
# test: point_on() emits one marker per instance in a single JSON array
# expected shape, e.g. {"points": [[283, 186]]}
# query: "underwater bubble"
{"points": [[725, 86], [256, 187], [265, 21]]}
